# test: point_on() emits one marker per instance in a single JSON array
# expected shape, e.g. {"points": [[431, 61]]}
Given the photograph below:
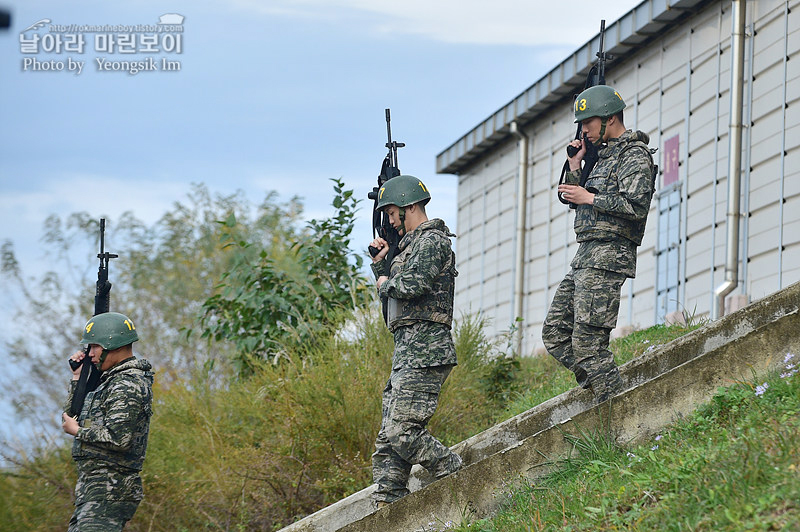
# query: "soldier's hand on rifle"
{"points": [[575, 161], [381, 245], [77, 357], [576, 194], [69, 424]]}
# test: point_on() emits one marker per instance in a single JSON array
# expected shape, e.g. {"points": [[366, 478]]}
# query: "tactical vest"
{"points": [[434, 305], [591, 224], [93, 414]]}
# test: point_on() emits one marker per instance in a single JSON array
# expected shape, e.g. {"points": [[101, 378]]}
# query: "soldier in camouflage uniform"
{"points": [[112, 428], [610, 215], [419, 286]]}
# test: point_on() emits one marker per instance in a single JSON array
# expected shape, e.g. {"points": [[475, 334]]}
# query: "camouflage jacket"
{"points": [[623, 181], [422, 276], [420, 292], [110, 445]]}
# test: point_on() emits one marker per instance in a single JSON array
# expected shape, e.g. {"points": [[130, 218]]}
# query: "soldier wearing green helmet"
{"points": [[111, 430], [110, 331], [402, 191], [419, 285], [599, 101], [610, 217]]}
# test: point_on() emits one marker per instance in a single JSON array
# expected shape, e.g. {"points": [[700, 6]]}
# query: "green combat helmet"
{"points": [[600, 100], [110, 330], [403, 190]]}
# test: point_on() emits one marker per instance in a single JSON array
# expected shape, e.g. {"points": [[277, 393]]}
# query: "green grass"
{"points": [[543, 377], [733, 465]]}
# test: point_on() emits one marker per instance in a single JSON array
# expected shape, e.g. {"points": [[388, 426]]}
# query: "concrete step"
{"points": [[661, 385]]}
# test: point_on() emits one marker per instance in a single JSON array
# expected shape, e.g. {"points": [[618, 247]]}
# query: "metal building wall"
{"points": [[676, 86], [484, 248]]}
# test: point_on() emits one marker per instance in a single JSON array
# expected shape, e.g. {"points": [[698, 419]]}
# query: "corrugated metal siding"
{"points": [[766, 195], [485, 235], [676, 85]]}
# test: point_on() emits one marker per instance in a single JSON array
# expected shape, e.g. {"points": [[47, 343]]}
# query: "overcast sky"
{"points": [[264, 95], [270, 95]]}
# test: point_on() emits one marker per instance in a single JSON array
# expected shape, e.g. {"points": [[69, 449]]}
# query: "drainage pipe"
{"points": [[734, 158], [519, 255]]}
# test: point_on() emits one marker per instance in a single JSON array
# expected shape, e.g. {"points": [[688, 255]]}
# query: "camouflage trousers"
{"points": [[409, 401], [578, 326], [102, 516]]}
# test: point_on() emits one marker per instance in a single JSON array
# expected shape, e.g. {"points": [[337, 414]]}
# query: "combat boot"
{"points": [[605, 386], [447, 466]]}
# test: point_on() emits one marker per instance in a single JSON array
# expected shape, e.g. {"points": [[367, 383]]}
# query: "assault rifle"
{"points": [[380, 221], [596, 76], [90, 375]]}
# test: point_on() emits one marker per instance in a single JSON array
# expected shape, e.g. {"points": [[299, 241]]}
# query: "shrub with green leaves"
{"points": [[270, 307]]}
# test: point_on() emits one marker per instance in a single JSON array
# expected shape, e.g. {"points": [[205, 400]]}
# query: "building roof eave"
{"points": [[622, 38]]}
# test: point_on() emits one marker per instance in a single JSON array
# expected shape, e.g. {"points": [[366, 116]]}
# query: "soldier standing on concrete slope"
{"points": [[419, 285], [610, 216], [112, 428]]}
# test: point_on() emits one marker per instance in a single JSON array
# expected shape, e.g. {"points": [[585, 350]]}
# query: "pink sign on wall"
{"points": [[671, 159]]}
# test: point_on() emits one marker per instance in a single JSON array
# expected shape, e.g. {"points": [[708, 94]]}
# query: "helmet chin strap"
{"points": [[603, 122], [103, 356], [402, 215]]}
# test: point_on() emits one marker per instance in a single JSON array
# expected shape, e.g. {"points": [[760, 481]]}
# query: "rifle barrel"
{"points": [[389, 143], [102, 239], [601, 54]]}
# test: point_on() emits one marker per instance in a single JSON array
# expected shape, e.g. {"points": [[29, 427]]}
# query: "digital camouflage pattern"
{"points": [[578, 325], [109, 448], [584, 310], [423, 344], [420, 289], [102, 516], [623, 183], [409, 401], [422, 277]]}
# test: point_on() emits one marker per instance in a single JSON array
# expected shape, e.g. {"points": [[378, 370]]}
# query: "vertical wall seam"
{"points": [[782, 198], [684, 230], [748, 130], [716, 161]]}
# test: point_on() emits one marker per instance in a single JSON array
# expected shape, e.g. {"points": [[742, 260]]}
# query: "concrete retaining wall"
{"points": [[666, 383]]}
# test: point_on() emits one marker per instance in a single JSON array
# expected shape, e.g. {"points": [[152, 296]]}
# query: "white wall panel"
{"points": [[654, 85]]}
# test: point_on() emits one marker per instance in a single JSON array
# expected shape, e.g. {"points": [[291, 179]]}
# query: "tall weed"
{"points": [[261, 452], [297, 435]]}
